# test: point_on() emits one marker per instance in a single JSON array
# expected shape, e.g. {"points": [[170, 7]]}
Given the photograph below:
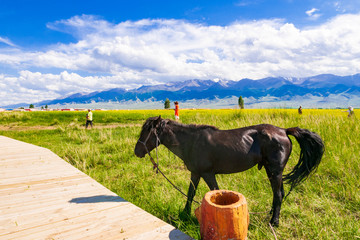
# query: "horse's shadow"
{"points": [[97, 199]]}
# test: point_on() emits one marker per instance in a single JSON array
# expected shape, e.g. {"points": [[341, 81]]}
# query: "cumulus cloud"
{"points": [[149, 51], [31, 87]]}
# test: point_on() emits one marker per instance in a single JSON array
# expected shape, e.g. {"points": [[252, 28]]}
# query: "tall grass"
{"points": [[325, 206]]}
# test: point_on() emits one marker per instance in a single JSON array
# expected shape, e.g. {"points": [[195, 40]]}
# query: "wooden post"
{"points": [[223, 214]]}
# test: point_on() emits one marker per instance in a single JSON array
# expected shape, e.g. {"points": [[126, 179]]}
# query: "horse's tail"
{"points": [[312, 149]]}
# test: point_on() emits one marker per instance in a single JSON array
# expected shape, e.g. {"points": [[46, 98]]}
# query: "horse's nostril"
{"points": [[139, 154]]}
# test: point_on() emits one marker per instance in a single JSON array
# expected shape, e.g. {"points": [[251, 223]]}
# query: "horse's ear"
{"points": [[157, 121]]}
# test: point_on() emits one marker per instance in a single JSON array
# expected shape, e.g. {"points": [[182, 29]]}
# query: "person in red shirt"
{"points": [[176, 110]]}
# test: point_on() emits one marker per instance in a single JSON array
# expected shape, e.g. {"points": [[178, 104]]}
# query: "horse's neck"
{"points": [[175, 139]]}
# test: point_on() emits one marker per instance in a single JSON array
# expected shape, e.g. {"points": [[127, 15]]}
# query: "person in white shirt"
{"points": [[350, 111], [89, 119]]}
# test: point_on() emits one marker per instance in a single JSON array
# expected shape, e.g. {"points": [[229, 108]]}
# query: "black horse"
{"points": [[207, 151]]}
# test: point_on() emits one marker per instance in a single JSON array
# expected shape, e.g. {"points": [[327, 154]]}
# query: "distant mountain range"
{"points": [[321, 87]]}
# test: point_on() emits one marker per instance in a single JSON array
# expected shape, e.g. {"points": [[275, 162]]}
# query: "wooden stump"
{"points": [[223, 214]]}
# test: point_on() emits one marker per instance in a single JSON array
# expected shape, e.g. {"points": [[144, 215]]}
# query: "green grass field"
{"points": [[325, 206]]}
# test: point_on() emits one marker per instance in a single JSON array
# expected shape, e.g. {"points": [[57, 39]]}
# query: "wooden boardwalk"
{"points": [[44, 197]]}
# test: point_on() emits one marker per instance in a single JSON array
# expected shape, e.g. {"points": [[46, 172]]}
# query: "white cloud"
{"points": [[345, 6], [129, 54], [244, 3], [312, 13], [33, 87], [337, 6], [7, 41]]}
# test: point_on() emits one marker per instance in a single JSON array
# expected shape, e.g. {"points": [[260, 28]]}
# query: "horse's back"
{"points": [[239, 149]]}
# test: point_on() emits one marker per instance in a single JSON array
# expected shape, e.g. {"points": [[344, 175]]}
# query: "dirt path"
{"points": [[96, 126]]}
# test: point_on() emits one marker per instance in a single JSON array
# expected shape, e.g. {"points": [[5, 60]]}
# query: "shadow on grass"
{"points": [[185, 223], [97, 199], [177, 234]]}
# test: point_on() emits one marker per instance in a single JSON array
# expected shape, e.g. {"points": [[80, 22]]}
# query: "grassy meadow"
{"points": [[325, 206]]}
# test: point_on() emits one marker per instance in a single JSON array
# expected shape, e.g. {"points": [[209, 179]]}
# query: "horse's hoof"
{"points": [[274, 223], [184, 214]]}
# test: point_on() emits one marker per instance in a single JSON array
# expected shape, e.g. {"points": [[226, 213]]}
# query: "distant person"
{"points": [[176, 111], [300, 110], [350, 111], [89, 119]]}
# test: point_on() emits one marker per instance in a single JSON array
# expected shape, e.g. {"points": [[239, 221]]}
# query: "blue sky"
{"points": [[49, 49], [25, 21]]}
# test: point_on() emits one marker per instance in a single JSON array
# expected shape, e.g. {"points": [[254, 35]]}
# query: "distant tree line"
{"points": [[240, 102], [32, 106]]}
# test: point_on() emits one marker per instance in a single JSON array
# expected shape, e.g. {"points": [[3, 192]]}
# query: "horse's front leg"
{"points": [[195, 178]]}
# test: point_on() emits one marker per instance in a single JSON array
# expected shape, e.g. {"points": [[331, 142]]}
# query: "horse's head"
{"points": [[149, 136]]}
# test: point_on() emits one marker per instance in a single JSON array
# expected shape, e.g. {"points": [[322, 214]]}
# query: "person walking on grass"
{"points": [[176, 111], [300, 110], [89, 119], [350, 111]]}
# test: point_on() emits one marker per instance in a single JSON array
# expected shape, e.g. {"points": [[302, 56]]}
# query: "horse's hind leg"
{"points": [[210, 180], [282, 196], [195, 178], [275, 177]]}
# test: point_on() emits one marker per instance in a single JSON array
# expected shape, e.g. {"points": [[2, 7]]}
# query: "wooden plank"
{"points": [[31, 178], [25, 158], [117, 221], [33, 170], [43, 184], [47, 195], [44, 197], [42, 181]]}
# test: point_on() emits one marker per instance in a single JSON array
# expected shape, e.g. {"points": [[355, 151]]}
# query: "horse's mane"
{"points": [[191, 126], [150, 120], [147, 123]]}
